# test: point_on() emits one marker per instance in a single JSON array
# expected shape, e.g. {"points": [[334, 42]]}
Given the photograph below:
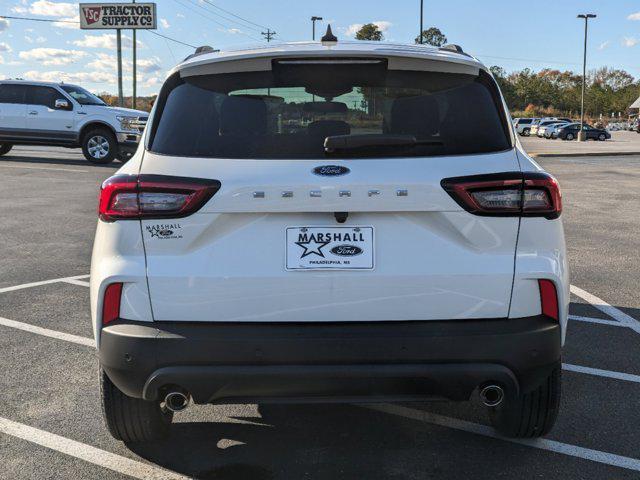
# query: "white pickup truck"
{"points": [[59, 114]]}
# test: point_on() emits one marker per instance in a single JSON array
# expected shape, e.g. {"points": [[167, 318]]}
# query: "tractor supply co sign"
{"points": [[97, 16]]}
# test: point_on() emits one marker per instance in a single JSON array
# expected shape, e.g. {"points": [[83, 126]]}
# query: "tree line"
{"points": [[548, 92]]}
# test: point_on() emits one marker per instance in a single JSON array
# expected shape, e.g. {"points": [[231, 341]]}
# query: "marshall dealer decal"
{"points": [[339, 248], [164, 231]]}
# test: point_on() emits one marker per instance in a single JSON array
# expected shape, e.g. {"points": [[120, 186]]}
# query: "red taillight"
{"points": [[507, 194], [111, 303], [153, 196], [549, 298]]}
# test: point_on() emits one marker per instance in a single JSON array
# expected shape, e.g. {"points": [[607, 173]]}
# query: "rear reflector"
{"points": [[153, 196], [549, 298], [111, 303], [530, 194]]}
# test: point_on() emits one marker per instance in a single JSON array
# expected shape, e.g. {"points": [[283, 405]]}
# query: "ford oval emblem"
{"points": [[330, 170], [165, 233], [346, 250]]}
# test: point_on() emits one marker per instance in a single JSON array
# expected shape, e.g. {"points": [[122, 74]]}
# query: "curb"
{"points": [[586, 154]]}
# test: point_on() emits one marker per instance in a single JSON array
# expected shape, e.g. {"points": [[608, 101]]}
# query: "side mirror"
{"points": [[61, 104]]}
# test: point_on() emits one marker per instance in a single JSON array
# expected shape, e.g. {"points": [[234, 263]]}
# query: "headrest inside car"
{"points": [[418, 116], [328, 128], [243, 115]]}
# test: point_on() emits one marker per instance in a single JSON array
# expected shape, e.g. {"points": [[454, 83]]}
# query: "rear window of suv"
{"points": [[294, 111]]}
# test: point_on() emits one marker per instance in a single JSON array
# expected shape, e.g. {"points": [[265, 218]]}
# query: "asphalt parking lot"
{"points": [[50, 421]]}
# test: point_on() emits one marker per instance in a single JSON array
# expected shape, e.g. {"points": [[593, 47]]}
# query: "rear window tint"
{"points": [[288, 113]]}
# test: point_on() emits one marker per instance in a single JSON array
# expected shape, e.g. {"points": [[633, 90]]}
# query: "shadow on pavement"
{"points": [[80, 162]]}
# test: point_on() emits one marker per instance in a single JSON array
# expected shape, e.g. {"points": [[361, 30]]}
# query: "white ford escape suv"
{"points": [[318, 222]]}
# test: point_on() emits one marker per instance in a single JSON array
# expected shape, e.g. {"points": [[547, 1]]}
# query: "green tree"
{"points": [[370, 31], [432, 36]]}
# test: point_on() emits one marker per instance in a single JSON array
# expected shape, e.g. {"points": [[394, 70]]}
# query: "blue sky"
{"points": [[511, 34]]}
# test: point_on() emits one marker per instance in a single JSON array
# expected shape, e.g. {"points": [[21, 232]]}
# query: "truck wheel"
{"points": [[99, 146], [532, 414], [5, 148], [132, 419]]}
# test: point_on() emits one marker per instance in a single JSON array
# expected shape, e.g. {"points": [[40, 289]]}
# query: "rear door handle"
{"points": [[33, 112]]}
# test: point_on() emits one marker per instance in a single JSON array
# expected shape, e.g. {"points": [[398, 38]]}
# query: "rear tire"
{"points": [[569, 136], [5, 148], [526, 132], [531, 414], [602, 137], [99, 146], [132, 419]]}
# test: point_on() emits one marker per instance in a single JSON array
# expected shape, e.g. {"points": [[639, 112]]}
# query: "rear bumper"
{"points": [[360, 361]]}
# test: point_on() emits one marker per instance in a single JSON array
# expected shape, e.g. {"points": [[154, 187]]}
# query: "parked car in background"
{"points": [[570, 132], [523, 125], [547, 130], [64, 115], [535, 129], [553, 131]]}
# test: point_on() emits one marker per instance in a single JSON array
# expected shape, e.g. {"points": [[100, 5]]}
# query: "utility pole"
{"points": [[421, 15], [314, 19], [133, 96], [119, 48], [582, 136], [269, 34]]}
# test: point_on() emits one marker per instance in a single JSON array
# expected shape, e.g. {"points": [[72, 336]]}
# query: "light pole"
{"points": [[421, 15], [314, 19], [586, 16]]}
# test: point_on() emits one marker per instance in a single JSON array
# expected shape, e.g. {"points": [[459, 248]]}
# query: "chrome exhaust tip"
{"points": [[492, 395], [176, 401]]}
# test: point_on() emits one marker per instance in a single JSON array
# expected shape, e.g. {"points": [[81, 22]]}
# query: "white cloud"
{"points": [[53, 9], [5, 47], [73, 77], [630, 41], [106, 40], [634, 16], [68, 22], [1, 60], [151, 82], [149, 65], [104, 62], [383, 26], [19, 9], [4, 24], [604, 45], [233, 31], [52, 56], [164, 23], [180, 15]]}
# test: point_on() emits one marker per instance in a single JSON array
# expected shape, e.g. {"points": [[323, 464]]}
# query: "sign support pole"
{"points": [[133, 97], [119, 47]]}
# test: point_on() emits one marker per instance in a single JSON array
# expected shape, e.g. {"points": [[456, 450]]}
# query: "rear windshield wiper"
{"points": [[372, 141]]}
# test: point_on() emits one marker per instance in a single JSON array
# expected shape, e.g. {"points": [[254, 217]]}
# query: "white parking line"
{"points": [[73, 281], [610, 310], [43, 282], [542, 443], [600, 321], [85, 452], [67, 337], [628, 377], [45, 168]]}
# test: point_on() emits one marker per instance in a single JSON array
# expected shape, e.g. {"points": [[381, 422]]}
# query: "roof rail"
{"points": [[452, 47], [201, 51]]}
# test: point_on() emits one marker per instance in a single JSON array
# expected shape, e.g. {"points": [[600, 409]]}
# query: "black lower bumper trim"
{"points": [[364, 361]]}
